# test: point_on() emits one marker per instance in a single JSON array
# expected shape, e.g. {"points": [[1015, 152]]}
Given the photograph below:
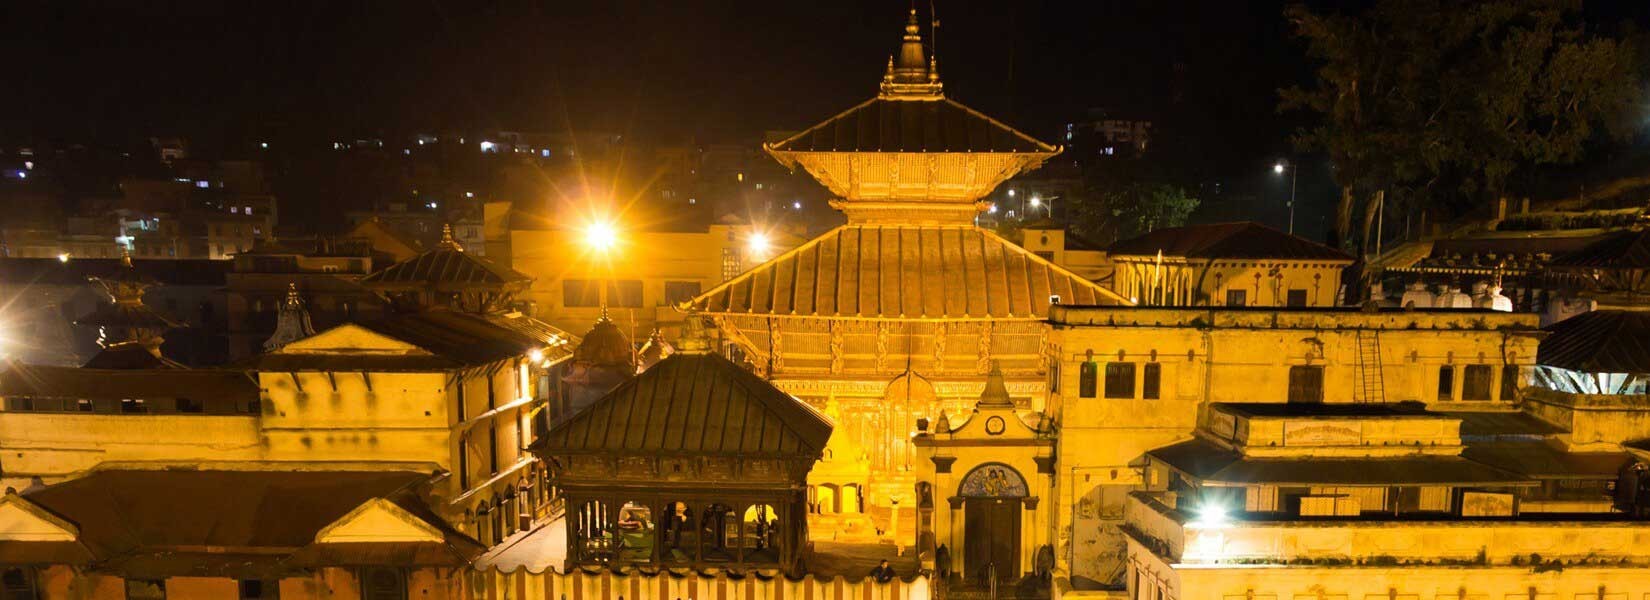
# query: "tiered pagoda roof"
{"points": [[910, 168]]}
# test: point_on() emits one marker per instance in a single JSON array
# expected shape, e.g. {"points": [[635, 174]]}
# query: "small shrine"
{"points": [[695, 463]]}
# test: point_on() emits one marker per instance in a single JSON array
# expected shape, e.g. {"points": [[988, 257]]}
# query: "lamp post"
{"points": [[1294, 175]]}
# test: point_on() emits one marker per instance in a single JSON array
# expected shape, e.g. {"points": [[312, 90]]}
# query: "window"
{"points": [[463, 463], [1509, 383], [626, 293], [187, 405], [1087, 374], [20, 404], [1054, 377], [145, 589], [1295, 298], [492, 449], [731, 265], [84, 405], [133, 405], [1477, 384], [1446, 383], [580, 293], [255, 589], [18, 584], [1151, 381], [1306, 384], [680, 291], [1120, 380], [1237, 298], [383, 584]]}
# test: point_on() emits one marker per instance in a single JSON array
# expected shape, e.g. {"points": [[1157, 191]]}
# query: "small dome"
{"points": [[605, 345]]}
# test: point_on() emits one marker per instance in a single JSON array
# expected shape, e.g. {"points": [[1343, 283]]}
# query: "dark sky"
{"points": [[718, 71]]}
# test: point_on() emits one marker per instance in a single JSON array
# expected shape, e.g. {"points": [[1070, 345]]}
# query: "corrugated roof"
{"points": [[877, 271], [443, 267], [1226, 240], [153, 523], [693, 404], [1213, 465], [888, 125], [1601, 341], [1623, 250]]}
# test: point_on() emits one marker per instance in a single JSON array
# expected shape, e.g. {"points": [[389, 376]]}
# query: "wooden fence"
{"points": [[667, 585]]}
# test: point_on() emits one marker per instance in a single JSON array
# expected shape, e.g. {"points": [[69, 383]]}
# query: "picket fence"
{"points": [[522, 584]]}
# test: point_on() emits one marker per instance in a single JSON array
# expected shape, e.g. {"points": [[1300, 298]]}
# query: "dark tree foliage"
{"points": [[1114, 210], [1446, 106]]}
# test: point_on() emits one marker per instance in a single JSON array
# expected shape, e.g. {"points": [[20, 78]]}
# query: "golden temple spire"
{"points": [[447, 240], [912, 75]]}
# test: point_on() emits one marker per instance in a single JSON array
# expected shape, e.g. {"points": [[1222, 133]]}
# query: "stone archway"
{"points": [[993, 496]]}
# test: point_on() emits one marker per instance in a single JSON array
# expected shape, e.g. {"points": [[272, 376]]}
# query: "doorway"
{"points": [[992, 527]]}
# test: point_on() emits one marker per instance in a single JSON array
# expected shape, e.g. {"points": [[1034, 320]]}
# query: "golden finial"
{"points": [[126, 257], [447, 240]]}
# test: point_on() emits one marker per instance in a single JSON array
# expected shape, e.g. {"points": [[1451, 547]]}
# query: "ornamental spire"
{"points": [[447, 240], [912, 74]]}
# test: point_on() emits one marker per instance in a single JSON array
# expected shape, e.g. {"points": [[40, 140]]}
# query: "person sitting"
{"points": [[883, 573]]}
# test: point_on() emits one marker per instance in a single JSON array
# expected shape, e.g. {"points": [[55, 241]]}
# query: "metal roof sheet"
{"points": [[445, 266], [1601, 341], [884, 271], [693, 404]]}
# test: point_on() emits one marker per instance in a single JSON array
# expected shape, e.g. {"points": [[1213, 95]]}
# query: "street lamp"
{"points": [[1294, 175], [600, 236]]}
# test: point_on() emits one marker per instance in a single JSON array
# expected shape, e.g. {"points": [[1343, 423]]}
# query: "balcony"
{"points": [[1180, 538]]}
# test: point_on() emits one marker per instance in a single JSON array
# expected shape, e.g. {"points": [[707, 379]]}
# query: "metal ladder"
{"points": [[1371, 386]]}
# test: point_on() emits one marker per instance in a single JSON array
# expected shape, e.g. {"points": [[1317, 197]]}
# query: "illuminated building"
{"points": [[898, 315], [1226, 264]]}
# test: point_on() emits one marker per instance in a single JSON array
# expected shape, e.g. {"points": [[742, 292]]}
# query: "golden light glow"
{"points": [[536, 355], [758, 243], [64, 257], [601, 236]]}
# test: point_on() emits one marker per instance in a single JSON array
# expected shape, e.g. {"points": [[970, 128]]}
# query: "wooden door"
{"points": [[992, 527]]}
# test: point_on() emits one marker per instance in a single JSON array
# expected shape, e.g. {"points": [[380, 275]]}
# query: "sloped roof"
{"points": [[693, 404], [890, 125], [1623, 250], [129, 355], [445, 267], [883, 271], [1601, 341], [141, 521], [454, 339], [1226, 240]]}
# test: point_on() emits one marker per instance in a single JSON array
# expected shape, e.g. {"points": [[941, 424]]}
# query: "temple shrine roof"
{"points": [[889, 125], [894, 272], [1622, 250], [693, 403], [446, 267]]}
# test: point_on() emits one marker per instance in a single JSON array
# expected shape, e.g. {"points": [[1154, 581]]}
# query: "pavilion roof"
{"points": [[693, 404], [885, 124]]}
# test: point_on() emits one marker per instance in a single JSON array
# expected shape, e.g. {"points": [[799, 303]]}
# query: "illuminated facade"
{"points": [[898, 315]]}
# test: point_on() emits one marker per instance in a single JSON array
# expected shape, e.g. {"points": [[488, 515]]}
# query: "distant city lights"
{"points": [[264, 145], [797, 205], [1036, 201], [433, 205], [28, 164], [489, 147], [63, 257], [469, 194]]}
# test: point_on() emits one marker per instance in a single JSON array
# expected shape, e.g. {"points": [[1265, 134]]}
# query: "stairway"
{"points": [[1370, 386]]}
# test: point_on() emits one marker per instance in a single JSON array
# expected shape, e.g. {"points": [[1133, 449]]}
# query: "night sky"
{"points": [[716, 71]]}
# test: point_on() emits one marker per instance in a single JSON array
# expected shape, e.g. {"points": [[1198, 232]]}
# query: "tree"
{"points": [[1126, 210], [1448, 104]]}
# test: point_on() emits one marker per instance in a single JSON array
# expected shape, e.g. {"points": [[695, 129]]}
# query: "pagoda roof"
{"points": [[1247, 240], [904, 272], [885, 124], [447, 265], [694, 404], [1601, 341]]}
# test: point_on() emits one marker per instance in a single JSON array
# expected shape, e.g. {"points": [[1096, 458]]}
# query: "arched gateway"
{"points": [[993, 495]]}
